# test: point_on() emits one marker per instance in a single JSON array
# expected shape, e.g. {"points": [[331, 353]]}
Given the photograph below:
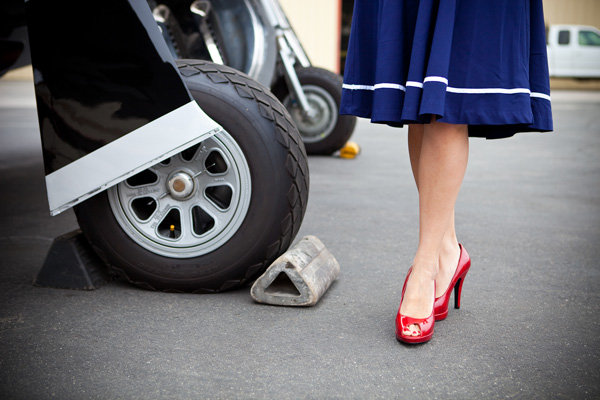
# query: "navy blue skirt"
{"points": [[476, 62]]}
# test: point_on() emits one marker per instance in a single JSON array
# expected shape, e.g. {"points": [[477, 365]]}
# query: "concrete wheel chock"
{"points": [[299, 277]]}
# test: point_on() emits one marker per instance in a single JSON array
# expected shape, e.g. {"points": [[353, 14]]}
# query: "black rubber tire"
{"points": [[275, 154], [332, 83]]}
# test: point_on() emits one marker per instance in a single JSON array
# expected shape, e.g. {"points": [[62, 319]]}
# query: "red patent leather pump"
{"points": [[403, 323], [440, 307]]}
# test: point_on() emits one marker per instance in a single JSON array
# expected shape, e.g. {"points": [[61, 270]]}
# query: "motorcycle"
{"points": [[255, 37]]}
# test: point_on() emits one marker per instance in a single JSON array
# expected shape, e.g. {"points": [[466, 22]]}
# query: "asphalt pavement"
{"points": [[528, 213]]}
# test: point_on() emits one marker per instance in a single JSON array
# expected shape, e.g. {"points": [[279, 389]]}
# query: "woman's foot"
{"points": [[418, 298], [449, 256]]}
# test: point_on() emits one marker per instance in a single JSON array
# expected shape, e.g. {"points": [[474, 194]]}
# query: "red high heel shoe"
{"points": [[440, 307], [403, 322]]}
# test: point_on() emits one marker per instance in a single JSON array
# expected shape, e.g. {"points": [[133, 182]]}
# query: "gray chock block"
{"points": [[299, 277]]}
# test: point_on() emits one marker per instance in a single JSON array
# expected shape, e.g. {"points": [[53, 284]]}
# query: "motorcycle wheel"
{"points": [[327, 131], [249, 191]]}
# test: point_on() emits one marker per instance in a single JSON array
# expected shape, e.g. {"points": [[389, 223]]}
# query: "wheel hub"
{"points": [[316, 122], [323, 117], [188, 205], [181, 185]]}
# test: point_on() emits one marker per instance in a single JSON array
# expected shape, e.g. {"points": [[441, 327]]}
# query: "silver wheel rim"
{"points": [[318, 127], [189, 204]]}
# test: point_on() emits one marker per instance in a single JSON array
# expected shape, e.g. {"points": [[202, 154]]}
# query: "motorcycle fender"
{"points": [[110, 99]]}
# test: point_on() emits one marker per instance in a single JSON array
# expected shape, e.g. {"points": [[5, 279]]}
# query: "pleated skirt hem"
{"points": [[523, 113]]}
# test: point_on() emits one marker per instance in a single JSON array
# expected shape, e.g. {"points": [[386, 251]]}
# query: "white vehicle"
{"points": [[573, 51]]}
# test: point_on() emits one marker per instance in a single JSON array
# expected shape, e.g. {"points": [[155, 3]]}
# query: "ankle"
{"points": [[449, 256], [449, 247], [427, 268]]}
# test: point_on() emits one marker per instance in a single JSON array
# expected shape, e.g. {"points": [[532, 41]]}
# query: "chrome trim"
{"points": [[258, 50], [279, 21], [287, 58]]}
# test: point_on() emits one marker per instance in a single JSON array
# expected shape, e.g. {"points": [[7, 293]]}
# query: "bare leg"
{"points": [[415, 140], [448, 260], [450, 251], [440, 169]]}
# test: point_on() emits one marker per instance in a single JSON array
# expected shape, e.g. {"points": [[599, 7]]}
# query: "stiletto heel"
{"points": [[440, 308], [403, 322], [457, 292]]}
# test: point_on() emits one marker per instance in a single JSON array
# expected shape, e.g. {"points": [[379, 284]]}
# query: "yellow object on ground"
{"points": [[350, 150]]}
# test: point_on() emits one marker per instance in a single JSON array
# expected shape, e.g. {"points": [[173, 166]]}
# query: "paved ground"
{"points": [[529, 214]]}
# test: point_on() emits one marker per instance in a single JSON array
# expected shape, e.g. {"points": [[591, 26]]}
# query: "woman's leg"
{"points": [[450, 252], [442, 161], [448, 260]]}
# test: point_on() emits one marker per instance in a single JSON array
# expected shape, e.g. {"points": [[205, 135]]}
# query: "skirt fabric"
{"points": [[476, 62]]}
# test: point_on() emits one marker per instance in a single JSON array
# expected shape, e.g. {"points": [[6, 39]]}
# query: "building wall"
{"points": [[317, 24], [577, 12]]}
